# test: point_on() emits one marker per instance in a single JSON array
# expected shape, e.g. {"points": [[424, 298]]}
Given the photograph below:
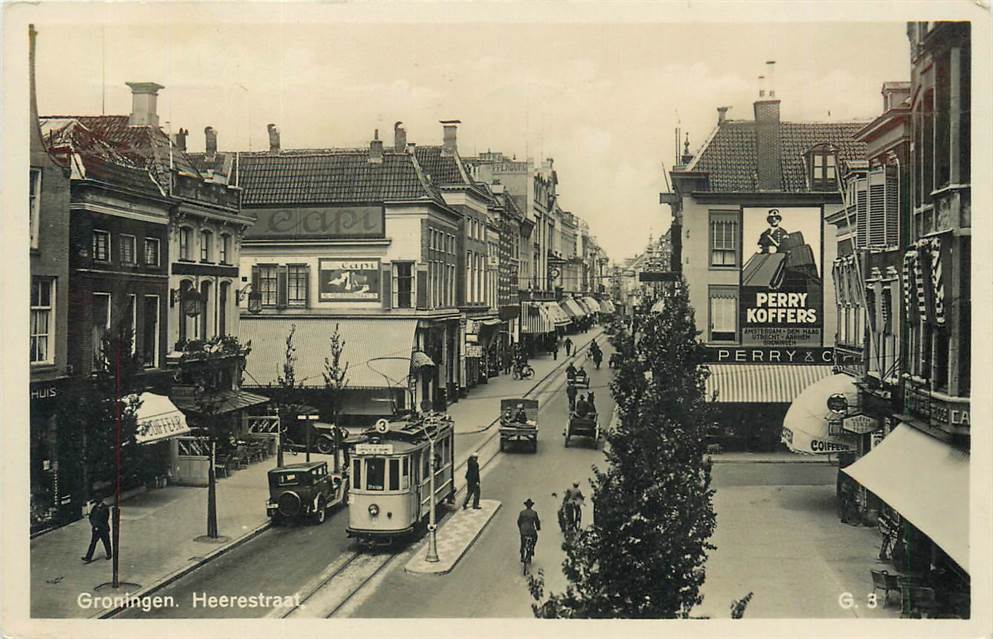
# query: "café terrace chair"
{"points": [[885, 581]]}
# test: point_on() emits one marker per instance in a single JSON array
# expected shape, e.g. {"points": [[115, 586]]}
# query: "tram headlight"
{"points": [[373, 510]]}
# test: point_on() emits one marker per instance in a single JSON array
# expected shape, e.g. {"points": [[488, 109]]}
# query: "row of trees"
{"points": [[643, 555]]}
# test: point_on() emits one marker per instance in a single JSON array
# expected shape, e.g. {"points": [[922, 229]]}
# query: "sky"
{"points": [[603, 100]]}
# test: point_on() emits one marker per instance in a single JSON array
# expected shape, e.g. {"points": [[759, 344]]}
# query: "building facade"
{"points": [[750, 211]]}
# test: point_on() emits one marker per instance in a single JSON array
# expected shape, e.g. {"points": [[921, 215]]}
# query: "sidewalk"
{"points": [[779, 457], [158, 531]]}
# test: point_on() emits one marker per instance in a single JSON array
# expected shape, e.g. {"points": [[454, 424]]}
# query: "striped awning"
{"points": [[761, 383], [555, 313], [378, 350], [592, 304], [573, 309], [535, 319]]}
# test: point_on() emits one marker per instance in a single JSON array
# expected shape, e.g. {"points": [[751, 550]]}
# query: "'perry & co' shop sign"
{"points": [[769, 355], [337, 222]]}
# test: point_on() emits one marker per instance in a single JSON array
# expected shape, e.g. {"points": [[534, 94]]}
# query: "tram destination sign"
{"points": [[373, 449]]}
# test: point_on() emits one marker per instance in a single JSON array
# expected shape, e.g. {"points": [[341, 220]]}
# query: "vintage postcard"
{"points": [[490, 319]]}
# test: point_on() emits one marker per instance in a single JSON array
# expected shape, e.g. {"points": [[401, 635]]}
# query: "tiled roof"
{"points": [[730, 155], [444, 170], [330, 176], [205, 163], [91, 156], [142, 144]]}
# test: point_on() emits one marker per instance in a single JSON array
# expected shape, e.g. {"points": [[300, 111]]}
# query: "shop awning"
{"points": [[606, 306], [534, 320], [555, 313], [926, 481], [593, 305], [573, 309], [377, 350], [158, 419], [227, 401], [761, 383], [806, 428]]}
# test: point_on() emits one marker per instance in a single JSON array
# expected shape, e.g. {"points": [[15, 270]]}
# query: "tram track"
{"points": [[338, 585]]}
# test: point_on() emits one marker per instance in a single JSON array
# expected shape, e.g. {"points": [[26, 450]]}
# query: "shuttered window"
{"points": [[862, 212], [298, 284], [723, 238]]}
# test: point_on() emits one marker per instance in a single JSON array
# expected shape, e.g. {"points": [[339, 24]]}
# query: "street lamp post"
{"points": [[432, 556], [310, 419]]}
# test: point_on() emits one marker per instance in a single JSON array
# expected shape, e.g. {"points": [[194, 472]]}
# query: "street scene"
{"points": [[336, 320]]}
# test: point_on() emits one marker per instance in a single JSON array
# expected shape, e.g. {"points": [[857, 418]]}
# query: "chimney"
{"points": [[144, 96], [273, 138], [768, 150], [770, 66], [210, 135], [376, 149], [399, 138], [180, 139], [761, 86], [449, 140], [722, 114]]}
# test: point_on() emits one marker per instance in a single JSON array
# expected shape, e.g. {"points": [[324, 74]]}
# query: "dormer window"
{"points": [[823, 167]]}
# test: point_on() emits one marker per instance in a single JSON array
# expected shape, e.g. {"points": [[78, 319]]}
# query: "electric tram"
{"points": [[390, 492]]}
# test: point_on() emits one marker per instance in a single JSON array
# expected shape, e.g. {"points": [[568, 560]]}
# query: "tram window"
{"points": [[394, 474], [405, 478], [375, 471], [357, 474]]}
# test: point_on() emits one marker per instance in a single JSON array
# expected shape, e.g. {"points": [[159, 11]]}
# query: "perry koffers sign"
{"points": [[781, 297], [338, 222], [349, 280], [767, 355]]}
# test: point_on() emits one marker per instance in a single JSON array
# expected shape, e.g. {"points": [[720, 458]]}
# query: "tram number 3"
{"points": [[847, 600]]}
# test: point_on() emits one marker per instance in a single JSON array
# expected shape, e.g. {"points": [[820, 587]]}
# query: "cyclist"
{"points": [[572, 502], [528, 524]]}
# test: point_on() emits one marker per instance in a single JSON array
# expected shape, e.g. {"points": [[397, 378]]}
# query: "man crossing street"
{"points": [[100, 529]]}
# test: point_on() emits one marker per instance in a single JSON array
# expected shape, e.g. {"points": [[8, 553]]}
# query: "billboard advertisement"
{"points": [[782, 284], [350, 280]]}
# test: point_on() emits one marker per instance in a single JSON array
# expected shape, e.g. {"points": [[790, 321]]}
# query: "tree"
{"points": [[335, 373], [643, 555], [284, 393]]}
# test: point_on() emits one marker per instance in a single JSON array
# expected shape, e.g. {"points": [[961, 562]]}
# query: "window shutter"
{"points": [[306, 286], [892, 207], [256, 278], [282, 288], [422, 288], [861, 213], [386, 276], [877, 210]]}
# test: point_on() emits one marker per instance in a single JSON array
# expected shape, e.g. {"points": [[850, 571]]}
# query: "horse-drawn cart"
{"points": [[519, 422], [583, 426], [578, 378]]}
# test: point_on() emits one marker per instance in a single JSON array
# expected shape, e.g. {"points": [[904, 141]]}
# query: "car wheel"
{"points": [[322, 510], [325, 445]]}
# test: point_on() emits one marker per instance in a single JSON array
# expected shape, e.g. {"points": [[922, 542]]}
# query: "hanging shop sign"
{"points": [[781, 302], [338, 222], [860, 424], [473, 350], [349, 280]]}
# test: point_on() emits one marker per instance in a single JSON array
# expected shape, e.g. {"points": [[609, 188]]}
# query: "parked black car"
{"points": [[304, 490]]}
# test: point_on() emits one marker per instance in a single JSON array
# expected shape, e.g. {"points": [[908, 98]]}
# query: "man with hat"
{"points": [[472, 481], [528, 524], [100, 528], [771, 238], [521, 416]]}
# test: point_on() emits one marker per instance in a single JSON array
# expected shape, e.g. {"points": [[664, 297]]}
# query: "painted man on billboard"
{"points": [[771, 239]]}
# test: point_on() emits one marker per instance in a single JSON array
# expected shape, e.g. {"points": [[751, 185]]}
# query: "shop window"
{"points": [[100, 307], [940, 359], [723, 314], [42, 320], [34, 206], [150, 331], [151, 251], [101, 245], [723, 239], [131, 319], [128, 249]]}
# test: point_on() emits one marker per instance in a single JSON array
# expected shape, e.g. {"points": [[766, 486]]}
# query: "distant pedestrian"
{"points": [[100, 529], [570, 391], [568, 346], [555, 348], [472, 481]]}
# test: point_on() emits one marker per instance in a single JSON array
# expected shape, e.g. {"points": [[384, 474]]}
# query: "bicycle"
{"points": [[529, 543]]}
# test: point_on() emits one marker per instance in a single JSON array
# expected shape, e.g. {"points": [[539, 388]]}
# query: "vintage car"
{"points": [[304, 490], [514, 430]]}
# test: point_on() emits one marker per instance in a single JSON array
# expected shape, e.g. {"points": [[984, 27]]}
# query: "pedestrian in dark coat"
{"points": [[100, 529], [570, 391], [555, 348], [568, 346], [472, 481]]}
